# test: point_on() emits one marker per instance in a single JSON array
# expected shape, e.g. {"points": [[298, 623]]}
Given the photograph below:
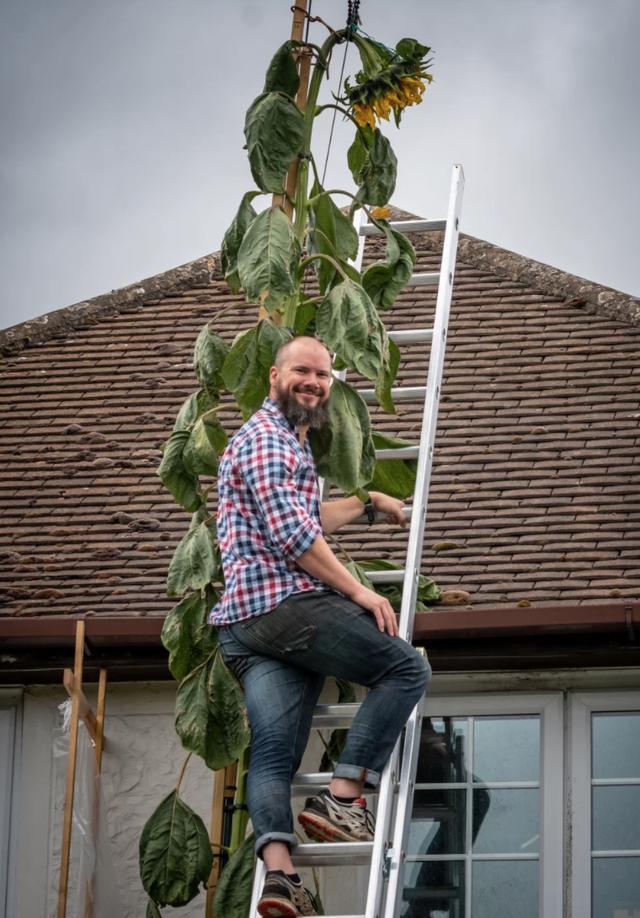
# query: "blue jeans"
{"points": [[281, 658]]}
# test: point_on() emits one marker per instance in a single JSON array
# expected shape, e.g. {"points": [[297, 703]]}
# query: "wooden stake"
{"points": [[223, 782], [67, 822], [304, 67], [102, 701], [95, 805]]}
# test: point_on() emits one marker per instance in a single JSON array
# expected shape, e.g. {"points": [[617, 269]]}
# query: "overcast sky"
{"points": [[121, 143]]}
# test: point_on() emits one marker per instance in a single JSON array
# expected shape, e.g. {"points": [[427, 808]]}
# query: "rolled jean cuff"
{"points": [[285, 837], [355, 773]]}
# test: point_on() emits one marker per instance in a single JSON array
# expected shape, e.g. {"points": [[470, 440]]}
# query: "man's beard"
{"points": [[299, 415]]}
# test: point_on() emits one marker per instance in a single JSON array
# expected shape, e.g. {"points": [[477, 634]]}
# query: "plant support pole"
{"points": [[67, 823]]}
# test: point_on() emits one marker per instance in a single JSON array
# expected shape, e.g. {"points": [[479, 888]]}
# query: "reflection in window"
{"points": [[475, 833]]}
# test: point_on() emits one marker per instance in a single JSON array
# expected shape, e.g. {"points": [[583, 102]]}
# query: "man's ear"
{"points": [[273, 375]]}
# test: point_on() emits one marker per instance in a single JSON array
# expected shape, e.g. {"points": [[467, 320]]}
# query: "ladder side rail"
{"points": [[384, 811], [403, 812], [430, 415], [259, 875]]}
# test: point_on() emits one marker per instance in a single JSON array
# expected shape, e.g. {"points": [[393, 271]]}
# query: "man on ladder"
{"points": [[292, 614]]}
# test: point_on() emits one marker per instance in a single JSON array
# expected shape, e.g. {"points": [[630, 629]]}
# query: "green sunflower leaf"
{"points": [[175, 853], [175, 475], [342, 448], [186, 633], [233, 893], [282, 75], [268, 259], [274, 128], [233, 240], [396, 477], [373, 165], [246, 369], [384, 280], [211, 719], [194, 564], [348, 323]]}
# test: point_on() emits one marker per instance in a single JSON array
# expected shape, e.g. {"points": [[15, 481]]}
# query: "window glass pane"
{"points": [[615, 887], [507, 748], [506, 821], [434, 889], [615, 818], [443, 750], [505, 888], [438, 822], [616, 745]]}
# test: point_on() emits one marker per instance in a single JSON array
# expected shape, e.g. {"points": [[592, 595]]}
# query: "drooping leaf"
{"points": [[206, 442], [186, 633], [396, 477], [282, 75], [332, 234], [246, 369], [342, 448], [194, 563], [273, 128], [373, 165], [175, 475], [193, 407], [209, 353], [211, 718], [384, 280], [233, 239], [348, 323], [268, 259], [387, 377], [233, 893], [175, 853]]}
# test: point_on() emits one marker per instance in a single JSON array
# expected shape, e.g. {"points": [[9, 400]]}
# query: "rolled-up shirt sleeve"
{"points": [[268, 465]]}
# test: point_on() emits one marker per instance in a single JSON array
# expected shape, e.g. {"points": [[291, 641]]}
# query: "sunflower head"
{"points": [[390, 80]]}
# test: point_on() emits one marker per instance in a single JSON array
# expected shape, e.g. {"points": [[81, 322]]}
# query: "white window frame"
{"points": [[581, 706], [550, 708], [10, 700]]}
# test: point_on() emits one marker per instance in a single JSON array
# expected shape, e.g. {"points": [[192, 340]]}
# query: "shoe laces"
{"points": [[367, 815]]}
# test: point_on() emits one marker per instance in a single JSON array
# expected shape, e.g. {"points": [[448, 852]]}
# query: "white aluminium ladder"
{"points": [[386, 854]]}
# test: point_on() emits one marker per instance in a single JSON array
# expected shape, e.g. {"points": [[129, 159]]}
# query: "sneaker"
{"points": [[324, 819], [281, 898]]}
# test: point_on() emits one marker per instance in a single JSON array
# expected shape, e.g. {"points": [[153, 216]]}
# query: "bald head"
{"points": [[291, 349]]}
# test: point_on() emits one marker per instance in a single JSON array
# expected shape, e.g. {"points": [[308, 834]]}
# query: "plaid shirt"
{"points": [[268, 516]]}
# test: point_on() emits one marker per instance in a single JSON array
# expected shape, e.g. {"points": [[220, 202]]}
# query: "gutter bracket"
{"points": [[628, 617]]}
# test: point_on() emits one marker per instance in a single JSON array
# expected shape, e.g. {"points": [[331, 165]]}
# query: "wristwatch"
{"points": [[370, 510]]}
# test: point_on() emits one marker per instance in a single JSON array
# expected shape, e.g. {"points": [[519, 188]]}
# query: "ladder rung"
{"points": [[411, 335], [332, 853], [405, 226], [401, 394], [403, 452], [334, 715], [385, 576], [422, 280]]}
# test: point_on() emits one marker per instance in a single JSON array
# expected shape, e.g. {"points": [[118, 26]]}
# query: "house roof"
{"points": [[535, 497]]}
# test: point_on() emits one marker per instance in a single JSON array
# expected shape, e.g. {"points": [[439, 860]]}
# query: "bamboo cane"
{"points": [[224, 781], [67, 823]]}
